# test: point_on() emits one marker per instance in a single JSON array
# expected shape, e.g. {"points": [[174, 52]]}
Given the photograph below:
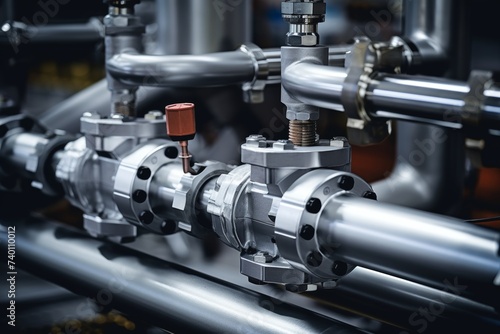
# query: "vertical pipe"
{"points": [[430, 161], [200, 26]]}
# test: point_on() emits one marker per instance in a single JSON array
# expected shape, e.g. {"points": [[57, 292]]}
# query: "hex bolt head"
{"points": [[144, 173], [339, 268], [370, 195], [146, 217], [314, 259], [313, 205], [307, 232], [169, 227], [139, 196], [263, 257], [346, 183], [171, 152]]}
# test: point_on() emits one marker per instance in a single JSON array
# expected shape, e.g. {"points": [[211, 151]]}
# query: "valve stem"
{"points": [[303, 133], [186, 158], [181, 127]]}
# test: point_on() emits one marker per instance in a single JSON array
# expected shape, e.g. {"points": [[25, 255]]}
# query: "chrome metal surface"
{"points": [[200, 26], [414, 245], [297, 109], [426, 174], [430, 160], [294, 215], [167, 296], [20, 152], [214, 69], [413, 98], [315, 84], [428, 24]]}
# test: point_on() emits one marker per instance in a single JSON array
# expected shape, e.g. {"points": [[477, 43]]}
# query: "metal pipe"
{"points": [[314, 84], [90, 32], [200, 26], [409, 305], [430, 163], [18, 151], [410, 98], [186, 71], [216, 69], [170, 297], [413, 245], [491, 108], [428, 24], [429, 100]]}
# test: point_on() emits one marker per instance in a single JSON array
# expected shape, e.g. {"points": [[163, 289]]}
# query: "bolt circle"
{"points": [[146, 217], [307, 232], [169, 227], [313, 205], [171, 152], [144, 173], [314, 259], [339, 268], [139, 196], [346, 183]]}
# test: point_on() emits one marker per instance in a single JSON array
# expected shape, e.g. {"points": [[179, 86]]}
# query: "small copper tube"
{"points": [[181, 127], [186, 158]]}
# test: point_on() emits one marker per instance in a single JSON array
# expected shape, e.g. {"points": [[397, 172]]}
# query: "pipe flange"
{"points": [[41, 164], [76, 161], [134, 175], [222, 205], [253, 92], [474, 103], [362, 130], [186, 196], [298, 216], [9, 126]]}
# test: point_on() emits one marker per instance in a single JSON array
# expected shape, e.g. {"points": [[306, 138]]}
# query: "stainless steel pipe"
{"points": [[169, 297], [411, 98], [212, 69], [314, 84], [413, 245], [216, 69]]}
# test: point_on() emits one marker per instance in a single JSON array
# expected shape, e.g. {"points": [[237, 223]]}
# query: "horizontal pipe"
{"points": [[186, 71], [422, 99], [164, 295], [18, 151], [215, 69], [403, 97], [414, 245], [92, 31], [89, 32]]}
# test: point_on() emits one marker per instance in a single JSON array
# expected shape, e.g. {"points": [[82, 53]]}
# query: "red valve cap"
{"points": [[181, 123]]}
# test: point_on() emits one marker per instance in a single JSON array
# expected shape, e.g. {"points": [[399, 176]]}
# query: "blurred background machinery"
{"points": [[251, 166]]}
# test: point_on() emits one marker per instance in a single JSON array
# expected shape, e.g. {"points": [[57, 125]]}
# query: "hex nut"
{"points": [[302, 39], [303, 8]]}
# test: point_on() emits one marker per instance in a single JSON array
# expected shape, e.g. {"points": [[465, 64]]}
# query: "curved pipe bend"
{"points": [[315, 84], [208, 70], [216, 69]]}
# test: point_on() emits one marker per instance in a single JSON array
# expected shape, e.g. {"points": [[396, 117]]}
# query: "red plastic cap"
{"points": [[181, 123]]}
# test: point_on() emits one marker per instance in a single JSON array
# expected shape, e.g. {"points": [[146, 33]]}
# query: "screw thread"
{"points": [[303, 133]]}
